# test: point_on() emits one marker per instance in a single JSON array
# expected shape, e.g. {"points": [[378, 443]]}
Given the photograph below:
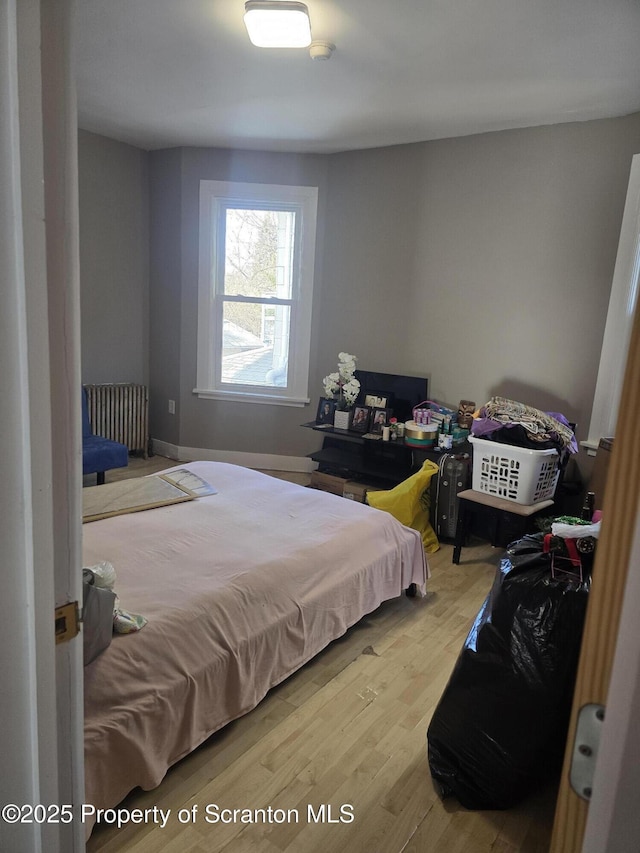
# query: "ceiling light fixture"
{"points": [[277, 24]]}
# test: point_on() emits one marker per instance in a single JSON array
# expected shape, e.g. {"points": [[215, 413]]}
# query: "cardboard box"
{"points": [[327, 483], [355, 491]]}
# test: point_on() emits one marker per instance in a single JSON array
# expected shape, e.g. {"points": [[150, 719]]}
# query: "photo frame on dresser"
{"points": [[379, 418], [361, 418], [376, 399], [326, 411]]}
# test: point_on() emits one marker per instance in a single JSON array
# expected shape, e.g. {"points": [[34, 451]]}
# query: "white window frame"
{"points": [[216, 196], [622, 306]]}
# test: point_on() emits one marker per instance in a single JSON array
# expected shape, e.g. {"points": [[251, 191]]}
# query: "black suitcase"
{"points": [[454, 476]]}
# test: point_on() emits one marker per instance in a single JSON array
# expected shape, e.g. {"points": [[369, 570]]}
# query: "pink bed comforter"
{"points": [[240, 589]]}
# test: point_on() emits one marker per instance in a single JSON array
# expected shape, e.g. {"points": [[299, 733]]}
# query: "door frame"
{"points": [[610, 644], [41, 463]]}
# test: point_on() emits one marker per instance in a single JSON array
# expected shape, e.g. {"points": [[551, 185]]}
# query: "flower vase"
{"points": [[342, 419]]}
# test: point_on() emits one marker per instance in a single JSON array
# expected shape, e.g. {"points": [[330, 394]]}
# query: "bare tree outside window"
{"points": [[258, 267]]}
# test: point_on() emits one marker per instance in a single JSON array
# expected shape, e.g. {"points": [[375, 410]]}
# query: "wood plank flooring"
{"points": [[347, 730]]}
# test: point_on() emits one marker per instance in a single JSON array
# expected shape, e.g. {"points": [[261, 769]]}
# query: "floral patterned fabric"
{"points": [[538, 427]]}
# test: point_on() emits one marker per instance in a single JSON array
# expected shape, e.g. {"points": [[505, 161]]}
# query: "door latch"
{"points": [[67, 621], [585, 749]]}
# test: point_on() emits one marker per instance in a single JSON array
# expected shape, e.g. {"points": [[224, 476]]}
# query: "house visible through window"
{"points": [[257, 247]]}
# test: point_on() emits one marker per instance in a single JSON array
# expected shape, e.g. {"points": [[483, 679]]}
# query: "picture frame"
{"points": [[361, 418], [376, 399], [379, 418], [326, 411]]}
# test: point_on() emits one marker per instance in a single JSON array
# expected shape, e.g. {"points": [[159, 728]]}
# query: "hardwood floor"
{"points": [[348, 728], [137, 467]]}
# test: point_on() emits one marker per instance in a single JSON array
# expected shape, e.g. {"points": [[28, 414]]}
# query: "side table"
{"points": [[470, 500]]}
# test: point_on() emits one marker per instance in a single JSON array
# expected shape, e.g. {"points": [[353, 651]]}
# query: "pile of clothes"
{"points": [[510, 422]]}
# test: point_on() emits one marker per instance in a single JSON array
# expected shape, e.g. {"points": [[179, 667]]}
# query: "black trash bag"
{"points": [[500, 727]]}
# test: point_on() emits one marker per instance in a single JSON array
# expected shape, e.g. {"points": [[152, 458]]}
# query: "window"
{"points": [[257, 248]]}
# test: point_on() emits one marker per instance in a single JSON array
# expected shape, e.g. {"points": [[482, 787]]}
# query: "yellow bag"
{"points": [[409, 502]]}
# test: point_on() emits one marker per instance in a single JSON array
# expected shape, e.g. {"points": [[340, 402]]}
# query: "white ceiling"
{"points": [[163, 73]]}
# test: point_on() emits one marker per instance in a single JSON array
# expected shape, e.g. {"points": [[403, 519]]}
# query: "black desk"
{"points": [[349, 454]]}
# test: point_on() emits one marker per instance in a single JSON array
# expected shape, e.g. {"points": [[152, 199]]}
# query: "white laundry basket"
{"points": [[514, 473]]}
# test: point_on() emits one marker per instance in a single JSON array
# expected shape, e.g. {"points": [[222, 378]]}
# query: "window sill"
{"points": [[248, 397]]}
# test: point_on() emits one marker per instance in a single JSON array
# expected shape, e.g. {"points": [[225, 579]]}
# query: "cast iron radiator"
{"points": [[120, 411]]}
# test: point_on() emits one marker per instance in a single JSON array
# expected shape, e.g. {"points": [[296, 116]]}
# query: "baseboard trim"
{"points": [[263, 461], [164, 448]]}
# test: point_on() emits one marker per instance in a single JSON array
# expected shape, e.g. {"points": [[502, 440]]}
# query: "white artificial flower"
{"points": [[342, 386], [347, 365], [331, 384], [351, 390]]}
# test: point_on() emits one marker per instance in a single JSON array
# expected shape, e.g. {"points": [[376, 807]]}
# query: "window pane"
{"points": [[255, 345], [259, 252]]}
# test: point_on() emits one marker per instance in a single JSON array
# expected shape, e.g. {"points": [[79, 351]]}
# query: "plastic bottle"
{"points": [[588, 507]]}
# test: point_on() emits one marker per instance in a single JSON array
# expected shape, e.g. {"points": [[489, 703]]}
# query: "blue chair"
{"points": [[99, 454]]}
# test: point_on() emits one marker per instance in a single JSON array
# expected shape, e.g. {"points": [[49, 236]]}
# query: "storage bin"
{"points": [[514, 473], [420, 435]]}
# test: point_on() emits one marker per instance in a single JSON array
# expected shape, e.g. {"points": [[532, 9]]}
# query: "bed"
{"points": [[240, 589]]}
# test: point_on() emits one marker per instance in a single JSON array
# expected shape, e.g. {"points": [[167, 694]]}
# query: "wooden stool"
{"points": [[470, 499]]}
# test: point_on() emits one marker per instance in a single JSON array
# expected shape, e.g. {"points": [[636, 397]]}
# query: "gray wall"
{"points": [[500, 249], [165, 304], [114, 260], [221, 425], [484, 262]]}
